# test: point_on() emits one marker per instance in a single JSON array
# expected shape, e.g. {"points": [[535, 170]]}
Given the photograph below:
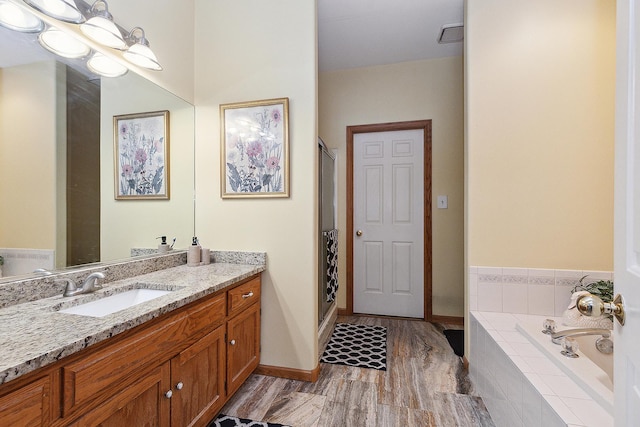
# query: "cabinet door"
{"points": [[243, 350], [31, 405], [143, 403], [197, 376]]}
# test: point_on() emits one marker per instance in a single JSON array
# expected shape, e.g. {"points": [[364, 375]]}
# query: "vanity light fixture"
{"points": [[16, 19], [139, 52], [62, 10], [106, 67], [62, 44], [101, 28]]}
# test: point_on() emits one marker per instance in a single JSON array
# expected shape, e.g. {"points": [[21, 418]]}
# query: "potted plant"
{"points": [[601, 288]]}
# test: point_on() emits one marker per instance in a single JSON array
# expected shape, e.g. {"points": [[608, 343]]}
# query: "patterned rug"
{"points": [[361, 346], [228, 421]]}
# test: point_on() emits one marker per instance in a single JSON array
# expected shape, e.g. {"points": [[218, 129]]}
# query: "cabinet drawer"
{"points": [[107, 370], [243, 296]]}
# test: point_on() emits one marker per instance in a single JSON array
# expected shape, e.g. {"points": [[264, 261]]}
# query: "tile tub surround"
{"points": [[537, 291], [38, 335], [519, 384]]}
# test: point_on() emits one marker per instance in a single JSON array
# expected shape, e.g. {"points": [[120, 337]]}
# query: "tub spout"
{"points": [[556, 338]]}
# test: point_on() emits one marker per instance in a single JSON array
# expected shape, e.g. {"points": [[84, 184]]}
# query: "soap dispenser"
{"points": [[163, 247], [193, 255]]}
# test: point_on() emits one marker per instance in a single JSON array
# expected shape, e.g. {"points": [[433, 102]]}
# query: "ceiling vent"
{"points": [[451, 33]]}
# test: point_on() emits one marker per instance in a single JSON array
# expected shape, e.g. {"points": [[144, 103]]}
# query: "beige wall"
{"points": [[430, 89], [539, 145], [246, 51], [28, 156], [168, 25]]}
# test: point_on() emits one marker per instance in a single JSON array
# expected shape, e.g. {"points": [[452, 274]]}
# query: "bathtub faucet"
{"points": [[557, 337]]}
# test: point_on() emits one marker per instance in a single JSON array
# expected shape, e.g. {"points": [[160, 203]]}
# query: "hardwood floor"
{"points": [[425, 385]]}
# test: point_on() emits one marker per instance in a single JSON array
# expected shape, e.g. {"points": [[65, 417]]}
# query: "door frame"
{"points": [[425, 125]]}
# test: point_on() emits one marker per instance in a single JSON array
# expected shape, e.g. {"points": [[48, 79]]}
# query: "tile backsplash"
{"points": [[537, 291]]}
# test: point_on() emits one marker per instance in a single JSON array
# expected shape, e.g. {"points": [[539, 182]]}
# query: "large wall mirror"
{"points": [[57, 202]]}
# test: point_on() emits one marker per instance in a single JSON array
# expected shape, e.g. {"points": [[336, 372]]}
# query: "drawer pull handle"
{"points": [[179, 385], [232, 342], [168, 394], [249, 295]]}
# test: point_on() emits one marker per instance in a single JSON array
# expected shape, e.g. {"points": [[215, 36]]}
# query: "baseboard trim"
{"points": [[344, 312], [289, 373], [452, 320]]}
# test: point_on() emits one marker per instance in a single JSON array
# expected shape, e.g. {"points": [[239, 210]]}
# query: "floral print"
{"points": [[141, 156], [255, 149]]}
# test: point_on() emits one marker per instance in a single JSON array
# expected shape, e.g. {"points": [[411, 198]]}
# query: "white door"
{"points": [[388, 221], [627, 214]]}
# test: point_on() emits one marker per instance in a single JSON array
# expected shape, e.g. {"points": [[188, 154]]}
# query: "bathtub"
{"points": [[593, 370], [524, 380]]}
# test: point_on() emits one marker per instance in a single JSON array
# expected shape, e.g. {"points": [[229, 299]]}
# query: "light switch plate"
{"points": [[443, 202]]}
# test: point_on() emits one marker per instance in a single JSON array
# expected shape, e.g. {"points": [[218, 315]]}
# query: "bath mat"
{"points": [[456, 340], [361, 346], [223, 420]]}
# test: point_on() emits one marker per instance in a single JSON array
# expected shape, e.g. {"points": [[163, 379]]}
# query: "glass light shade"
{"points": [[17, 19], [106, 67], [62, 10], [104, 31], [62, 44], [142, 56]]}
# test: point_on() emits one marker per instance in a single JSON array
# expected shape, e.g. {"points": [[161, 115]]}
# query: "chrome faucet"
{"points": [[556, 338], [89, 285]]}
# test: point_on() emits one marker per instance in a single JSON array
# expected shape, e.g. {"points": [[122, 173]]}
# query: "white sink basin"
{"points": [[114, 303]]}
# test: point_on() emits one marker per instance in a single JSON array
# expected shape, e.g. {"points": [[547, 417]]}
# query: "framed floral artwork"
{"points": [[142, 155], [255, 149]]}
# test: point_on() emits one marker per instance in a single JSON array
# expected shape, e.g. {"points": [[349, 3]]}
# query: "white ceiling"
{"points": [[362, 33]]}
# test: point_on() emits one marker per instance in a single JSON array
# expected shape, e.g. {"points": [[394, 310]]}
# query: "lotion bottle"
{"points": [[163, 247], [193, 254]]}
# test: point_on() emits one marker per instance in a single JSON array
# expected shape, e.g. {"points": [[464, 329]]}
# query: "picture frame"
{"points": [[254, 145], [141, 143]]}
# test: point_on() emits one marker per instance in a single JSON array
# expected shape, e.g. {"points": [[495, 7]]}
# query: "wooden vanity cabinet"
{"points": [[194, 401], [141, 403], [243, 333], [172, 394], [187, 389]]}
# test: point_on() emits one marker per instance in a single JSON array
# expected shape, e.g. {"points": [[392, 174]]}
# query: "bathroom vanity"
{"points": [[171, 361]]}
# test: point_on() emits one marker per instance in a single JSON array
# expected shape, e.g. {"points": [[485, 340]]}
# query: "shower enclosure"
{"points": [[327, 224]]}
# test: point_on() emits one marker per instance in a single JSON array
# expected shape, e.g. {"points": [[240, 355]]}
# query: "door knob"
{"points": [[359, 233], [591, 305], [168, 394], [232, 342], [179, 385]]}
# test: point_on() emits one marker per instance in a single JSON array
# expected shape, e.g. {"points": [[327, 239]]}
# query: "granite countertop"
{"points": [[34, 334]]}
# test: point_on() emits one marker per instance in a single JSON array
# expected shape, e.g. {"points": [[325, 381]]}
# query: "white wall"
{"points": [[431, 89], [245, 51]]}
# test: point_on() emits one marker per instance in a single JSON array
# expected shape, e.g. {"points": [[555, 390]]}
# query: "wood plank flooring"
{"points": [[425, 385]]}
